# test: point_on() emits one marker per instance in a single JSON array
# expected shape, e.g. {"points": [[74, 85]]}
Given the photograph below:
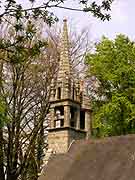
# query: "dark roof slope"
{"points": [[105, 159]]}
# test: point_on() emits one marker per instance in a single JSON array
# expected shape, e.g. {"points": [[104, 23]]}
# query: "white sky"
{"points": [[123, 13]]}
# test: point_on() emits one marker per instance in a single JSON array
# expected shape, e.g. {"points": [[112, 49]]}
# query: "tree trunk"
{"points": [[2, 176], [12, 176]]}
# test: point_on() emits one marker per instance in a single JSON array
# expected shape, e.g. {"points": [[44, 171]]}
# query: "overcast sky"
{"points": [[123, 20], [123, 13]]}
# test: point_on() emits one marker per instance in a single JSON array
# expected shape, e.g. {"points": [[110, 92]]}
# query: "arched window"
{"points": [[73, 96], [82, 119], [59, 93], [54, 92]]}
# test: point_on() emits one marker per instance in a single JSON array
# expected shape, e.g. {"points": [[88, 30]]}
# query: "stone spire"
{"points": [[64, 64]]}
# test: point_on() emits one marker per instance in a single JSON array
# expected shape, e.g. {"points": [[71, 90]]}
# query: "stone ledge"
{"points": [[66, 99], [67, 128]]}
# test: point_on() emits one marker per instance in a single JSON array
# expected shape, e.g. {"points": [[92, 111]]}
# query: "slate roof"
{"points": [[104, 159]]}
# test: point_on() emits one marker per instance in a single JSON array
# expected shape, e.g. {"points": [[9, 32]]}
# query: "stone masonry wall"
{"points": [[60, 139]]}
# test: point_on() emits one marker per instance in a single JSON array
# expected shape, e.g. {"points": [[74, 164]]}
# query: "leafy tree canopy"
{"points": [[112, 68], [13, 8]]}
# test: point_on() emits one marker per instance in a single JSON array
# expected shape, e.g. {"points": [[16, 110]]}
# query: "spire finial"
{"points": [[65, 20]]}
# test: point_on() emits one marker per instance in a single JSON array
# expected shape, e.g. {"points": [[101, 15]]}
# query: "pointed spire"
{"points": [[65, 64]]}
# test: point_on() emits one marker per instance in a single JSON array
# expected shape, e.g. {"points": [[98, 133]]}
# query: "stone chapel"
{"points": [[71, 154], [70, 113]]}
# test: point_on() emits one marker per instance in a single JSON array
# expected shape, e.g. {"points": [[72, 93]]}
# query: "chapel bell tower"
{"points": [[70, 114]]}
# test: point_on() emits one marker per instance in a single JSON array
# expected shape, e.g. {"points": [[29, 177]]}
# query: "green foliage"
{"points": [[21, 47], [12, 8], [3, 116], [113, 65], [22, 43]]}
